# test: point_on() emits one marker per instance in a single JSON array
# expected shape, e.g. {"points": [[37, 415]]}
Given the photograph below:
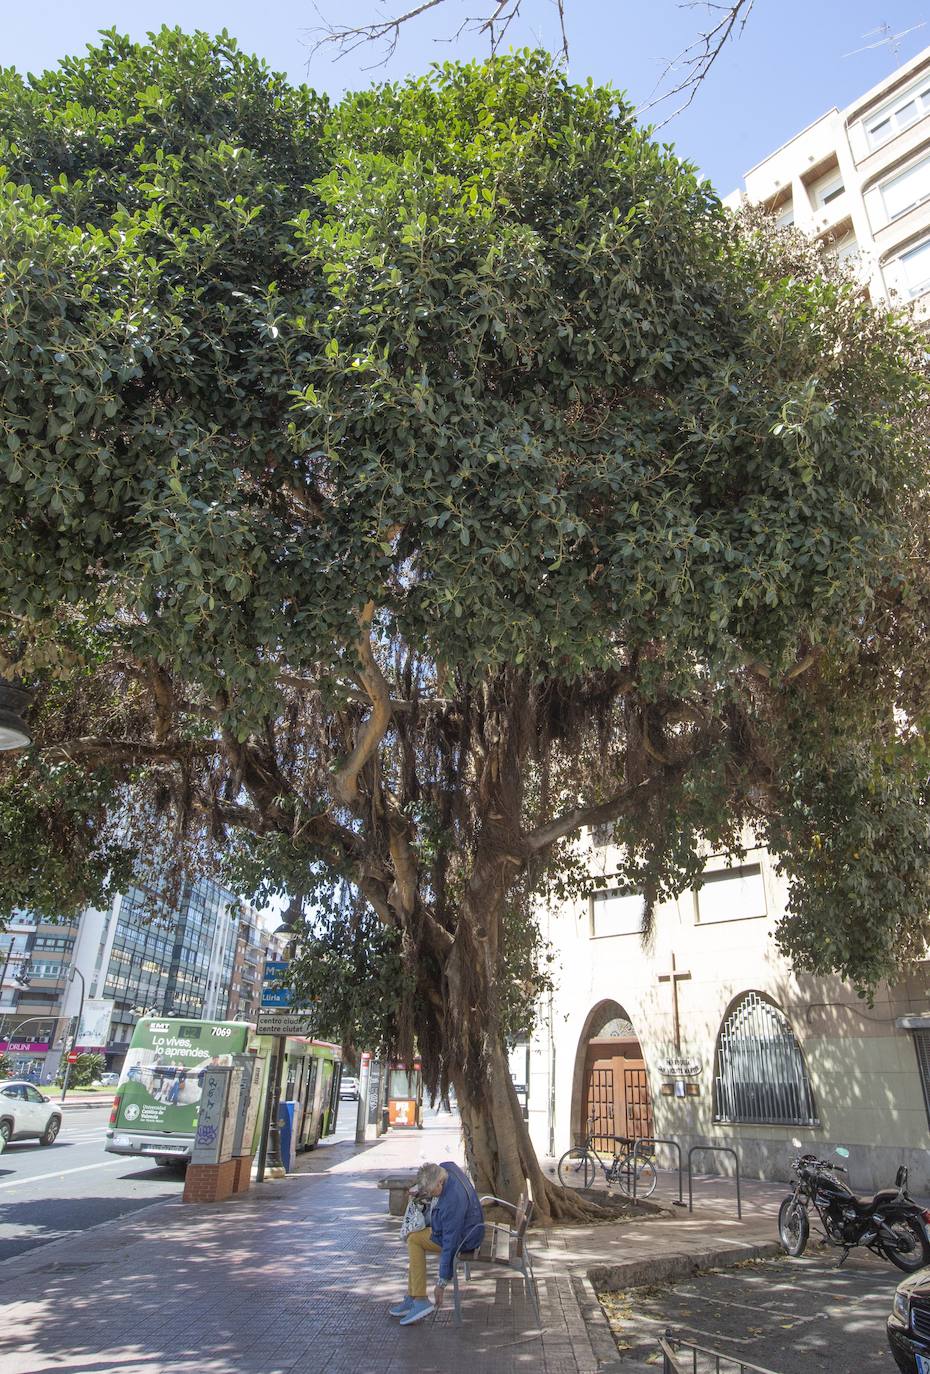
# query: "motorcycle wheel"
{"points": [[793, 1227], [912, 1252]]}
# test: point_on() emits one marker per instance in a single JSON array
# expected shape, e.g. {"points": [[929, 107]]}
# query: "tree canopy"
{"points": [[392, 489]]}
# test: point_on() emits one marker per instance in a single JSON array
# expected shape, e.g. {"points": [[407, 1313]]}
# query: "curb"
{"points": [[614, 1278], [668, 1268], [83, 1105], [596, 1325]]}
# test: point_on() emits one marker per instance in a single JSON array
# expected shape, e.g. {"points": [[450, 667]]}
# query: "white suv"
{"points": [[24, 1112], [348, 1089]]}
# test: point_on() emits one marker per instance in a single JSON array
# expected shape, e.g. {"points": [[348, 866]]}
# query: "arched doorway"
{"points": [[611, 1084]]}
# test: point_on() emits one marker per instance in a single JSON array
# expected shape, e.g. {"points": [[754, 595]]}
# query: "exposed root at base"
{"points": [[564, 1205]]}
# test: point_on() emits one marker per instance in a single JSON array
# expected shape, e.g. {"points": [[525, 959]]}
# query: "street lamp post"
{"points": [[75, 971], [14, 733], [269, 1150]]}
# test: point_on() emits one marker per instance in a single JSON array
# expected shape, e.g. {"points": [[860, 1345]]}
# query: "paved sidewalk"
{"points": [[296, 1277]]}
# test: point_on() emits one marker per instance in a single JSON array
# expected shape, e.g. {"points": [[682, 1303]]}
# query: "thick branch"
{"points": [[609, 810], [124, 751], [305, 498], [345, 783], [306, 684], [806, 662]]}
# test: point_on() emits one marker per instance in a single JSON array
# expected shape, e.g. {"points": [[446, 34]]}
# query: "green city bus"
{"points": [[157, 1100]]}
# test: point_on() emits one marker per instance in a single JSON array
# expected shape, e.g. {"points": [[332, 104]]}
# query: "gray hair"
{"points": [[429, 1177]]}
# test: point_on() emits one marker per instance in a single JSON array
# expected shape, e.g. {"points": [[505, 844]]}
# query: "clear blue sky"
{"points": [[786, 69]]}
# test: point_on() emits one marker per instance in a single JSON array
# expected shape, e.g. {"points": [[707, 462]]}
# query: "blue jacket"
{"points": [[456, 1217]]}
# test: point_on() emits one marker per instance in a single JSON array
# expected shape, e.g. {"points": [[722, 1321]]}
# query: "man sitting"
{"points": [[456, 1218]]}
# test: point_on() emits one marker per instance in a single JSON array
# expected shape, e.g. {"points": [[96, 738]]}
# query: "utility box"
{"points": [[288, 1135]]}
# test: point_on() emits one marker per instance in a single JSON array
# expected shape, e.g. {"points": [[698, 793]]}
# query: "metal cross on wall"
{"points": [[675, 976]]}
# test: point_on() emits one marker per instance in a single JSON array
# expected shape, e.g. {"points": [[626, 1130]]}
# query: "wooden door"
{"points": [[601, 1101], [637, 1102], [616, 1092]]}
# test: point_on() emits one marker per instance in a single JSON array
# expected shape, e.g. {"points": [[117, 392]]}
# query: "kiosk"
{"points": [[405, 1095]]}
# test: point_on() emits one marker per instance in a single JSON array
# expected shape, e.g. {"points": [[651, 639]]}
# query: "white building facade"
{"points": [[858, 179], [705, 1035]]}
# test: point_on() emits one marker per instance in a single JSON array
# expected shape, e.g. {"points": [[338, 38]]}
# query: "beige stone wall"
{"points": [[862, 1069]]}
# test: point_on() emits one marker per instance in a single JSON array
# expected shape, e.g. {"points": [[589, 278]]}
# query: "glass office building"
{"points": [[178, 962]]}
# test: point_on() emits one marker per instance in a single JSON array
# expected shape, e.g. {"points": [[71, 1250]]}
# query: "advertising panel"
{"points": [[163, 1076], [94, 1030]]}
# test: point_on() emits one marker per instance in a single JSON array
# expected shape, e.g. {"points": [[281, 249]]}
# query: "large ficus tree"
{"points": [[391, 491]]}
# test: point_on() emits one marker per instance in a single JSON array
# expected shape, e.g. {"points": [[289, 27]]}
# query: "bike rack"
{"points": [[672, 1347], [658, 1140], [718, 1150]]}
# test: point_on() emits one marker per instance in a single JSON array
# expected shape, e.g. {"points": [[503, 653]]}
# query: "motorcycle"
{"points": [[890, 1224]]}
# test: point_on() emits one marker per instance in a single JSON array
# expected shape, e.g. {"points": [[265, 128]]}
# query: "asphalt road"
{"points": [[52, 1191], [801, 1316], [48, 1192]]}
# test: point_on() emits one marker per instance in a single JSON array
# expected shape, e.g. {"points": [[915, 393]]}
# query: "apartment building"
{"points": [[199, 956], [35, 960], [858, 179], [248, 964], [170, 959]]}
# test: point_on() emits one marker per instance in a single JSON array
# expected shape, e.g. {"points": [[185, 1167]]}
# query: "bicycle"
{"points": [[578, 1166]]}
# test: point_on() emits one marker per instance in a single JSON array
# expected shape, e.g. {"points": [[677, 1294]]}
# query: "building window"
{"points": [[616, 911], [784, 215], [842, 249], [46, 968], [899, 117], [731, 894], [827, 189], [907, 189], [759, 1074], [911, 271]]}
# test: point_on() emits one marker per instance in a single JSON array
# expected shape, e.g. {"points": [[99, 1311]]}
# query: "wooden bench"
{"points": [[503, 1245], [398, 1186]]}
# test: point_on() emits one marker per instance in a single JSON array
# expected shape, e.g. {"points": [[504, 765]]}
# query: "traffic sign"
{"points": [[284, 1022], [73, 1057], [273, 995]]}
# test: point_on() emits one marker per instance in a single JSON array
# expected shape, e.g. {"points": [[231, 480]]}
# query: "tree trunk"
{"points": [[499, 1153]]}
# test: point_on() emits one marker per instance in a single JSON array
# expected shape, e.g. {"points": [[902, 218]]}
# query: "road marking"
{"points": [[60, 1173]]}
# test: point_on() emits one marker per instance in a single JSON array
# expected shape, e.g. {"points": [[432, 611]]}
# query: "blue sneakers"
{"points": [[419, 1308], [400, 1309]]}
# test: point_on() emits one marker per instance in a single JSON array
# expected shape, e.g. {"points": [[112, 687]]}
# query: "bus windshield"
{"points": [[163, 1075]]}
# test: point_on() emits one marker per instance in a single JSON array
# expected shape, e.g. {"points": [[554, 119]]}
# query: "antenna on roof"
{"points": [[884, 38]]}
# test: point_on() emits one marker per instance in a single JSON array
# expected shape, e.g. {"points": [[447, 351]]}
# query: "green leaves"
{"points": [[473, 349]]}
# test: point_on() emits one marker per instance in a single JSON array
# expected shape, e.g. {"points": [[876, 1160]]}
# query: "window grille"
{"points": [[922, 1046], [760, 1073]]}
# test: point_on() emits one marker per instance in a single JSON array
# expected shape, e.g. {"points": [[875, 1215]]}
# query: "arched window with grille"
{"points": [[760, 1075]]}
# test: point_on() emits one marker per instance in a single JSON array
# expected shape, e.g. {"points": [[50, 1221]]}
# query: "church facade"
{"points": [[706, 1036]]}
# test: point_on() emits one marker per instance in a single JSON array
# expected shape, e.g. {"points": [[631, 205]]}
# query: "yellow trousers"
{"points": [[419, 1245]]}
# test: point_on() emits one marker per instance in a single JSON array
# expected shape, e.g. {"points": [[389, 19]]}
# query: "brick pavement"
{"points": [[296, 1276]]}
